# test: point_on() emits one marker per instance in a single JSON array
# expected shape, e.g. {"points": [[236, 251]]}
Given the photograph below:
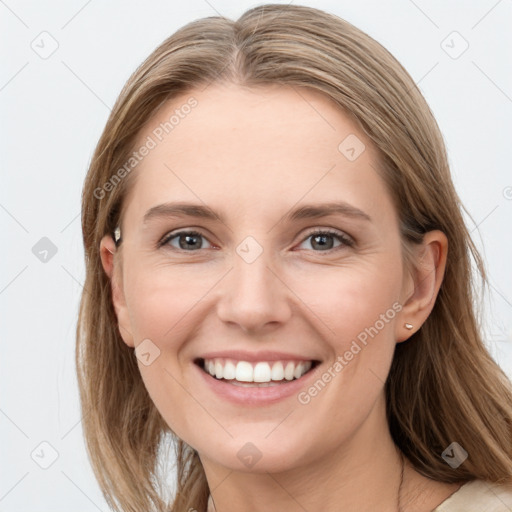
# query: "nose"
{"points": [[254, 296]]}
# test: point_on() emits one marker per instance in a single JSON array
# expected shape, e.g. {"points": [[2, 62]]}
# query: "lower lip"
{"points": [[242, 395]]}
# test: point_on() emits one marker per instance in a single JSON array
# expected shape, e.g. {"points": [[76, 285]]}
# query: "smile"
{"points": [[256, 373]]}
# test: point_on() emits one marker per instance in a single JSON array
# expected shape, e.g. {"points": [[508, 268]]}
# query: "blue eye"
{"points": [[187, 240], [323, 240]]}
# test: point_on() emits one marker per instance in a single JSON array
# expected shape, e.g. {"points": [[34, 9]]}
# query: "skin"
{"points": [[253, 155]]}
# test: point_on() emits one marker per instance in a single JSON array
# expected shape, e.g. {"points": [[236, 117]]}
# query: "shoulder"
{"points": [[479, 496]]}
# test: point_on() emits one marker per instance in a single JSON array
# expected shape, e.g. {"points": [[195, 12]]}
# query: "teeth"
{"points": [[298, 370], [244, 372], [229, 370], [277, 371], [218, 370], [260, 372], [288, 371]]}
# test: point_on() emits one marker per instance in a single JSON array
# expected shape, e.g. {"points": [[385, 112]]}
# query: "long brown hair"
{"points": [[443, 385]]}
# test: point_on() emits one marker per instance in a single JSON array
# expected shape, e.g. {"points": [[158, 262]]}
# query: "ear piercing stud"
{"points": [[408, 326], [117, 235]]}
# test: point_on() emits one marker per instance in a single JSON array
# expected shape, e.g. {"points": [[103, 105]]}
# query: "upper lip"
{"points": [[263, 355]]}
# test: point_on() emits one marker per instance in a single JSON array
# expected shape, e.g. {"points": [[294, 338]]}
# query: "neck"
{"points": [[362, 474]]}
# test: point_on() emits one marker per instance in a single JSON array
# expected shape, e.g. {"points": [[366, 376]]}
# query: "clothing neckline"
{"points": [[457, 497]]}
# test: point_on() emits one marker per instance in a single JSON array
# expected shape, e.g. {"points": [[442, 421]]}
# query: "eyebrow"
{"points": [[310, 211]]}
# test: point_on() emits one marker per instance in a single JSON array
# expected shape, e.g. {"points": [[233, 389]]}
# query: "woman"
{"points": [[279, 277]]}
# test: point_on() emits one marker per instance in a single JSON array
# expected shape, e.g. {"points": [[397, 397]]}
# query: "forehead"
{"points": [[254, 147]]}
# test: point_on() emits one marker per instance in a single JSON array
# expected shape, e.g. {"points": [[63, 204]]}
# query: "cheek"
{"points": [[359, 308], [163, 305], [349, 300], [160, 299]]}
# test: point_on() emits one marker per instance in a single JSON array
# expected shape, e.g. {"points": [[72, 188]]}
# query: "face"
{"points": [[259, 243]]}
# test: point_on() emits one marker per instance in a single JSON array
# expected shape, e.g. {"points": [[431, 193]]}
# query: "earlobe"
{"points": [[107, 254], [426, 278], [107, 251]]}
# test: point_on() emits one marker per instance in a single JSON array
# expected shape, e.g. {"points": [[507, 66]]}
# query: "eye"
{"points": [[323, 240], [186, 240]]}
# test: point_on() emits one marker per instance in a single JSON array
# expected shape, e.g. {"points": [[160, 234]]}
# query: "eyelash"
{"points": [[344, 239]]}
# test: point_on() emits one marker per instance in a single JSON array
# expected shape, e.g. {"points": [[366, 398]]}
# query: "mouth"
{"points": [[256, 374]]}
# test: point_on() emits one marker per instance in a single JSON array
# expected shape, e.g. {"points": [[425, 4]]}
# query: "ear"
{"points": [[423, 283], [110, 260]]}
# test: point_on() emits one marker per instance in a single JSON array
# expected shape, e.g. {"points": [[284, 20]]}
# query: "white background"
{"points": [[53, 111]]}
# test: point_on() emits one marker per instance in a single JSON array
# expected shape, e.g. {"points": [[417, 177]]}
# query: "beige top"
{"points": [[474, 496], [478, 496]]}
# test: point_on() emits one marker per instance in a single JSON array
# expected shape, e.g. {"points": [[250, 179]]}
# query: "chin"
{"points": [[258, 455]]}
